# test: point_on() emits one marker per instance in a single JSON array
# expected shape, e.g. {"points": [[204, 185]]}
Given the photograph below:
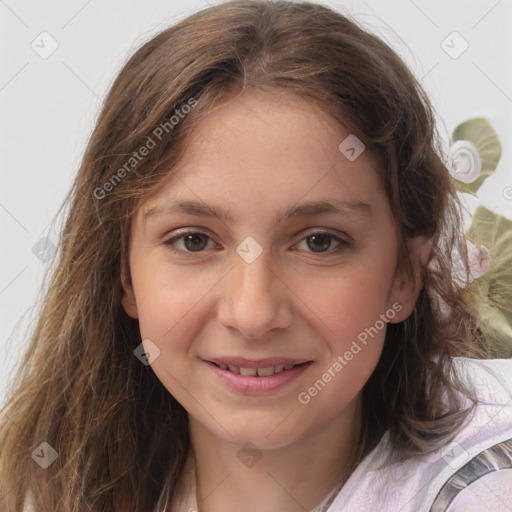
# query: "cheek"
{"points": [[168, 316], [166, 305], [345, 304], [168, 297], [348, 321], [349, 313]]}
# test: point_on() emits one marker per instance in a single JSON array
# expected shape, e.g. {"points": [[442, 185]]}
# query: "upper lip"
{"points": [[243, 362]]}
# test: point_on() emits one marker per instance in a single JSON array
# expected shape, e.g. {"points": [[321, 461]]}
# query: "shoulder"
{"points": [[413, 485], [492, 492], [486, 479], [491, 379], [480, 456]]}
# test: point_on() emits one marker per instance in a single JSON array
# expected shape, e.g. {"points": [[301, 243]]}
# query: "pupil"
{"points": [[319, 238], [194, 239]]}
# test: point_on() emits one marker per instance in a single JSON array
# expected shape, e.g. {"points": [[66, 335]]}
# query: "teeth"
{"points": [[234, 369], [253, 372], [266, 372]]}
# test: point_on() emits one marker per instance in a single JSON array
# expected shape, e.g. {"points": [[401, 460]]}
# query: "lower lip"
{"points": [[258, 385]]}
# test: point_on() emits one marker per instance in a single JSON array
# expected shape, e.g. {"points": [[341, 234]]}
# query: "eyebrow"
{"points": [[309, 208]]}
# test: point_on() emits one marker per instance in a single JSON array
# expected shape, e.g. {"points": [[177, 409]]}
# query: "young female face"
{"points": [[273, 281]]}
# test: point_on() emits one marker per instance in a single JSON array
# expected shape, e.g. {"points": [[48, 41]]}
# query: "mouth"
{"points": [[257, 376], [257, 371]]}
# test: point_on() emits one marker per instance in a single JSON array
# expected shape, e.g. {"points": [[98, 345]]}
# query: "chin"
{"points": [[269, 433]]}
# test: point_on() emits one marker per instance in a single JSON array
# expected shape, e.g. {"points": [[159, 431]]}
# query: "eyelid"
{"points": [[180, 233], [343, 237], [176, 233], [344, 243]]}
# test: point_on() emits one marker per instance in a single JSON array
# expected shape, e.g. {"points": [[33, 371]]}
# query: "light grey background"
{"points": [[48, 105]]}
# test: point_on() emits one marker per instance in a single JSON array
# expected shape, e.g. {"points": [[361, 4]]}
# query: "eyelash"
{"points": [[344, 244]]}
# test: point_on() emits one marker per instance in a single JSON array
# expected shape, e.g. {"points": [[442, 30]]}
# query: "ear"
{"points": [[405, 291], [128, 300]]}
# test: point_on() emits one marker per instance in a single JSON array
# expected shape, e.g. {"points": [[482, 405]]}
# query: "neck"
{"points": [[291, 478]]}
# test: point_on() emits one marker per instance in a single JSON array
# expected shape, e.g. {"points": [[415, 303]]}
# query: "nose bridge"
{"points": [[253, 300], [254, 280]]}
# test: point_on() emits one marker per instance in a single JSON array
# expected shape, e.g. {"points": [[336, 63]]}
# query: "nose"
{"points": [[255, 299]]}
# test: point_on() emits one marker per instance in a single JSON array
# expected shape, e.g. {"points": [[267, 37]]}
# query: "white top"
{"points": [[412, 486]]}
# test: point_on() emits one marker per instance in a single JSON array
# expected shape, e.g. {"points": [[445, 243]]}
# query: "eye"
{"points": [[320, 241], [192, 241]]}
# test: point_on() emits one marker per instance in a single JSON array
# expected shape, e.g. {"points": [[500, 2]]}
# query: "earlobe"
{"points": [[406, 290], [128, 301]]}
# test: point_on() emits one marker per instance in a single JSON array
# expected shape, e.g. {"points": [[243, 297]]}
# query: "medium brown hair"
{"points": [[121, 436]]}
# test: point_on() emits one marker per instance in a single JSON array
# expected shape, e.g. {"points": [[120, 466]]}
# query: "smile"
{"points": [[257, 377], [255, 372]]}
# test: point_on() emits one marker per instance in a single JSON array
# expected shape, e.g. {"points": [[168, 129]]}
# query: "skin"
{"points": [[257, 155]]}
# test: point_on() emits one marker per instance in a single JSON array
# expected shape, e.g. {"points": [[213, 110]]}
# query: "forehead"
{"points": [[270, 150]]}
